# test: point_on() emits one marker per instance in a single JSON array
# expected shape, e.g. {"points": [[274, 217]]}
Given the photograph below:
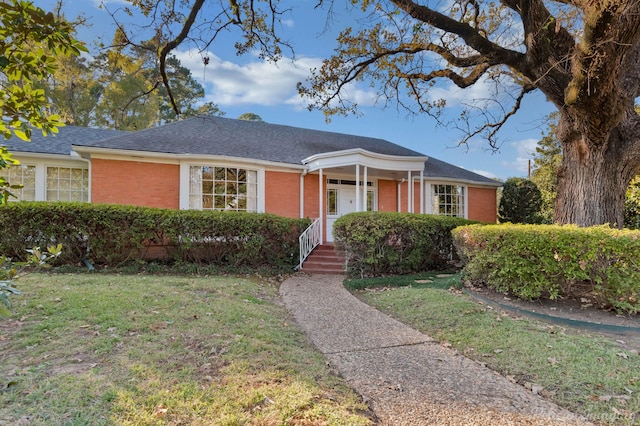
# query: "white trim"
{"points": [[154, 157], [321, 213], [358, 187], [184, 186], [42, 161], [429, 191], [363, 157]]}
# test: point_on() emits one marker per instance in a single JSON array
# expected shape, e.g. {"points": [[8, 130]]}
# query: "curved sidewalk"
{"points": [[405, 376]]}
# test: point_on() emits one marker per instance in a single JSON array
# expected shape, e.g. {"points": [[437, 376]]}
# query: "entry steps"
{"points": [[324, 260]]}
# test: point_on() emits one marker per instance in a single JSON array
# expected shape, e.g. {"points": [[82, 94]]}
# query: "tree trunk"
{"points": [[593, 179]]}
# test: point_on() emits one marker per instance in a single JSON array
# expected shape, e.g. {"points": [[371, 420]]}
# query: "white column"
{"points": [[421, 191], [321, 198], [357, 187], [399, 202], [364, 191], [302, 175], [409, 193]]}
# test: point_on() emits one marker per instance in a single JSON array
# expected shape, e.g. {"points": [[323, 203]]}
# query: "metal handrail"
{"points": [[309, 239]]}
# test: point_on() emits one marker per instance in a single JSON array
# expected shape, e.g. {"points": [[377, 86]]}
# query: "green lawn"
{"points": [[588, 374], [104, 349]]}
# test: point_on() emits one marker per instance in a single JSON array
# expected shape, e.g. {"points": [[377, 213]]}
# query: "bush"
{"points": [[111, 235], [377, 243], [520, 202], [551, 261]]}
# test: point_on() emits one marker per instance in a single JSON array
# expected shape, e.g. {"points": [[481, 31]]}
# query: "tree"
{"points": [[250, 116], [546, 164], [174, 22], [520, 201], [583, 55], [120, 88], [31, 40]]}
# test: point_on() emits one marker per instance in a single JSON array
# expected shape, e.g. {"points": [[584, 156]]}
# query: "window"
{"points": [[448, 200], [223, 188], [67, 184], [332, 201], [24, 175]]}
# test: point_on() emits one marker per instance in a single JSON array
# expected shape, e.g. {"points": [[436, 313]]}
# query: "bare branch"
{"points": [[491, 127], [164, 51]]}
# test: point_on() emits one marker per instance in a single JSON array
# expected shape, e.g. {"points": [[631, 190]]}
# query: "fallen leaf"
{"points": [[552, 361], [160, 410], [623, 355], [498, 351]]}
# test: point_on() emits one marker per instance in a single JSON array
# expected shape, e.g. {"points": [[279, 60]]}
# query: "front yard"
{"points": [[105, 349]]}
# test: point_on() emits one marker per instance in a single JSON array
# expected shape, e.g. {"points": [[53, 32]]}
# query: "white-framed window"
{"points": [[21, 174], [67, 184], [448, 200], [213, 187]]}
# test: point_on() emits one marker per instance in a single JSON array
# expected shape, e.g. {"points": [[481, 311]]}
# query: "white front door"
{"points": [[341, 199]]}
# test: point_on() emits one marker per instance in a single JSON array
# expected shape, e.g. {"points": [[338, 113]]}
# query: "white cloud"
{"points": [[524, 151], [455, 96], [485, 173], [257, 82]]}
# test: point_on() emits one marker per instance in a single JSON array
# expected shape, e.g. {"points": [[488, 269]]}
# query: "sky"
{"points": [[242, 84]]}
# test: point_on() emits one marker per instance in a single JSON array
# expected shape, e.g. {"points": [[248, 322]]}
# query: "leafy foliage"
{"points": [[121, 88], [520, 201], [31, 40], [112, 234], [546, 163], [533, 261], [381, 243], [632, 205]]}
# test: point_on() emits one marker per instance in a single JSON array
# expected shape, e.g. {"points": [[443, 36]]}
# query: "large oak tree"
{"points": [[582, 54]]}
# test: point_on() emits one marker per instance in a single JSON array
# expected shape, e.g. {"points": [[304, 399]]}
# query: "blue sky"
{"points": [[240, 84]]}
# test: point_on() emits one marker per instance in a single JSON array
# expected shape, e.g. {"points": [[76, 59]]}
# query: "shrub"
{"points": [[112, 234], [378, 243], [533, 261], [520, 202]]}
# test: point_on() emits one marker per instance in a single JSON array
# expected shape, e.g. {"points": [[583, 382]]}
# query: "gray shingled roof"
{"points": [[435, 168], [59, 143], [233, 138], [245, 139]]}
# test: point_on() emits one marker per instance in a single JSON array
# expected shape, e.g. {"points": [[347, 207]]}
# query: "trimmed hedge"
{"points": [[381, 243], [551, 261], [113, 234]]}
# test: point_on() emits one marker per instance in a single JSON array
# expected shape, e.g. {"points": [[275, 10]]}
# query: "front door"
{"points": [[341, 199]]}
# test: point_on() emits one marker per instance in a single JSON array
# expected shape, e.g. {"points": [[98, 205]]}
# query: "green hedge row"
{"points": [[533, 261], [112, 235], [379, 243]]}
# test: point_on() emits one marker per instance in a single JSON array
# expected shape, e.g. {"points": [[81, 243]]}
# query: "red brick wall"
{"points": [[482, 204], [387, 196], [135, 183], [311, 202], [282, 194]]}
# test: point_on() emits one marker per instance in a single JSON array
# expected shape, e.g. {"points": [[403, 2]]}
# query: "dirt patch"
{"points": [[580, 315]]}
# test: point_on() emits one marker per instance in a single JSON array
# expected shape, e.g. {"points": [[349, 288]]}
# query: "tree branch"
{"points": [[472, 37], [169, 46]]}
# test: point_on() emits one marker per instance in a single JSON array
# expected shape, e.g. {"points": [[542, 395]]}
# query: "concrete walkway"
{"points": [[405, 376]]}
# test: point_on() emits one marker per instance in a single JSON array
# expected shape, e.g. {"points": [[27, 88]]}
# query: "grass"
{"points": [[586, 373], [106, 349]]}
